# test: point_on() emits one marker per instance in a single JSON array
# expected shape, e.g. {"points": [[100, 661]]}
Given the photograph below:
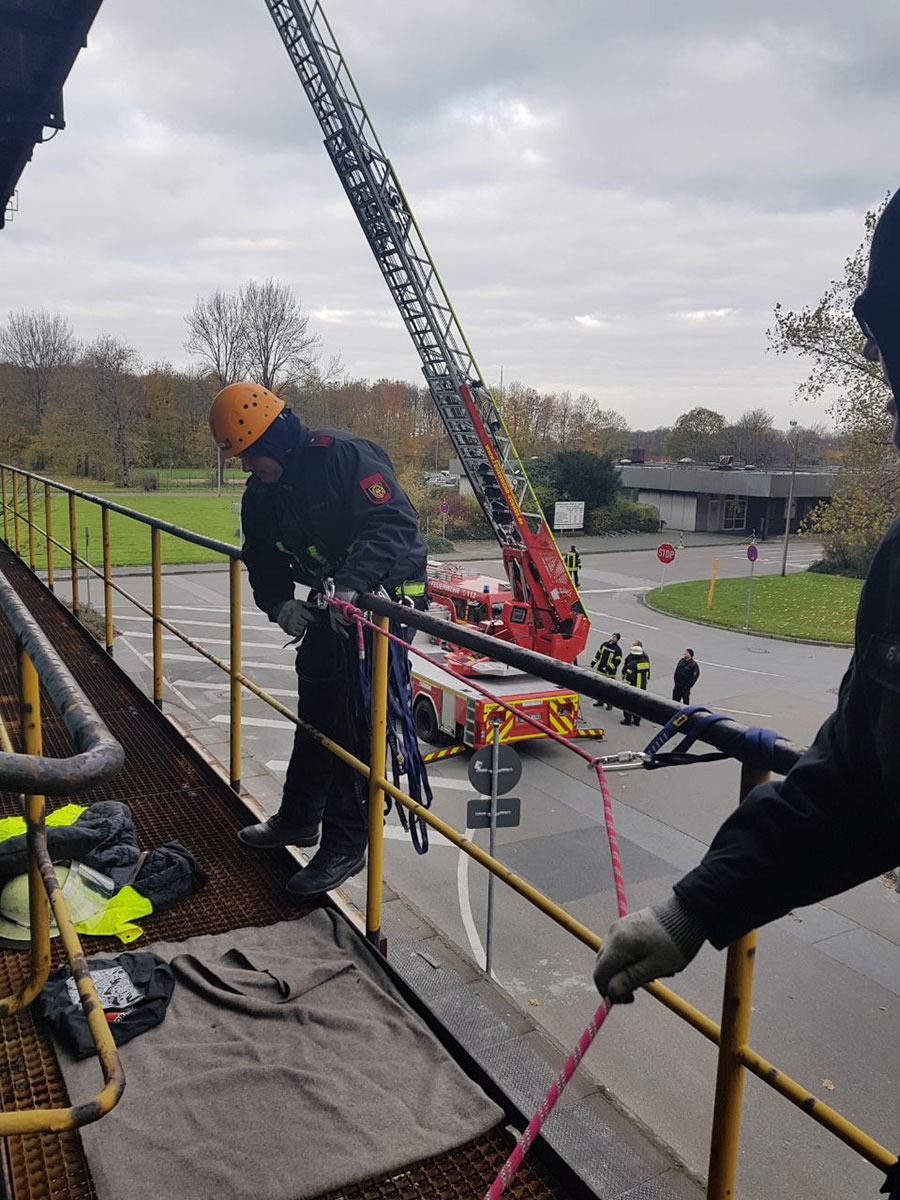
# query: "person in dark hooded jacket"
{"points": [[834, 820], [319, 505]]}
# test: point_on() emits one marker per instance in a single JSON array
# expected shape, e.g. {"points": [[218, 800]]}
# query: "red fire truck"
{"points": [[445, 708]]}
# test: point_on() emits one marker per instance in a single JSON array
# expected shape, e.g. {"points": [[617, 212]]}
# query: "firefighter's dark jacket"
{"points": [[834, 820], [636, 670], [336, 511], [607, 658]]}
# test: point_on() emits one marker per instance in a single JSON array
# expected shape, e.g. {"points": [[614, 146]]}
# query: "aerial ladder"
{"points": [[544, 611]]}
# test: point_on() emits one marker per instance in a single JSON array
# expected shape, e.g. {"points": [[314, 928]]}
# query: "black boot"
{"points": [[328, 870], [625, 721], [278, 831]]}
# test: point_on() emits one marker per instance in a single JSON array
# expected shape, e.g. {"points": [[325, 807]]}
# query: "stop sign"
{"points": [[665, 553]]}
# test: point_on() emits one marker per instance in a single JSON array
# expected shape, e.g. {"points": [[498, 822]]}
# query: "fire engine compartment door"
{"points": [[448, 713]]}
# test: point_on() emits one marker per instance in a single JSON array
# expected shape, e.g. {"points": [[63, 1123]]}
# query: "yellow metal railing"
{"points": [[735, 1055], [100, 758]]}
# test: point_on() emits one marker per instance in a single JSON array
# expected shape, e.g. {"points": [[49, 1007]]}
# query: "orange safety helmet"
{"points": [[241, 413]]}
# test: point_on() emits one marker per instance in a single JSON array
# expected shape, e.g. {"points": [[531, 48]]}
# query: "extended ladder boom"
{"points": [[555, 622]]}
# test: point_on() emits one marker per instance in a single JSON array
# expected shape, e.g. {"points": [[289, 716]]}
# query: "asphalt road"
{"points": [[827, 997]]}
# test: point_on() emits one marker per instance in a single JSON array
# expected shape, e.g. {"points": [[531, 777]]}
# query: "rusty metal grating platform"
{"points": [[172, 794]]}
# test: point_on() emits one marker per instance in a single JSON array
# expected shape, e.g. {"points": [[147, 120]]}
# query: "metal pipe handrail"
{"points": [[99, 756], [725, 735]]}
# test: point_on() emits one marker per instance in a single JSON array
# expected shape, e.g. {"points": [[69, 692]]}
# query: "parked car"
{"points": [[442, 479]]}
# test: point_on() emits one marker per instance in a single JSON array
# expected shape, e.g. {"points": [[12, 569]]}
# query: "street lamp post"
{"points": [[790, 501]]}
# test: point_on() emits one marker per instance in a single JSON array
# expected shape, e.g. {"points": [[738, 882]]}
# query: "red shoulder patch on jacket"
{"points": [[375, 488], [320, 439]]}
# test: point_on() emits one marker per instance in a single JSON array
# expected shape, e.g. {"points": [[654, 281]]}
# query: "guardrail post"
{"points": [[234, 601], [73, 553], [48, 526], [107, 585], [38, 905], [377, 754], [3, 504], [156, 606], [726, 1128], [29, 499], [15, 503]]}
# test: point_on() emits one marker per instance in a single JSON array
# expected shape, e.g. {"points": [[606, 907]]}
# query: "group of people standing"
{"points": [[636, 671]]}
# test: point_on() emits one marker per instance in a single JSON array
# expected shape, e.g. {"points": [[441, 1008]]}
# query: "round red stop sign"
{"points": [[665, 553]]}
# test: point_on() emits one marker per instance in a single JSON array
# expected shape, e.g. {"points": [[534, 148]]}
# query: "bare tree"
{"points": [[37, 343], [113, 386], [279, 347], [217, 334]]}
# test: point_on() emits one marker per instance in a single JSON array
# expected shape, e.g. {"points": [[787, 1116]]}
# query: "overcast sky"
{"points": [[615, 194]]}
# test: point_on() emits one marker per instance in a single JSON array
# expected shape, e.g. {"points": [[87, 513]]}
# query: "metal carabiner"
{"points": [[624, 760]]}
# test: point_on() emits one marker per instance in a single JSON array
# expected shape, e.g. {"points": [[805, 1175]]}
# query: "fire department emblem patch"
{"points": [[375, 488]]}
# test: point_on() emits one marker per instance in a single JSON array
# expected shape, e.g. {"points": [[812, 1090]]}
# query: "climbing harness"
{"points": [[403, 745]]}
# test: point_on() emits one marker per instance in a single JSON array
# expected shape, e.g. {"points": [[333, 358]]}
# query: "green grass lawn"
{"points": [[208, 514], [818, 607]]}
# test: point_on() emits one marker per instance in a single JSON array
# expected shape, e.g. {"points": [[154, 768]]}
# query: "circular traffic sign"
{"points": [[752, 553], [509, 770], [445, 507], [665, 553]]}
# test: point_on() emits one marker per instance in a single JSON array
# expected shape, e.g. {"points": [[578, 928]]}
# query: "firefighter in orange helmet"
{"points": [[319, 505]]}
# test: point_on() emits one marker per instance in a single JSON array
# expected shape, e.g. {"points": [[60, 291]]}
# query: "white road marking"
{"points": [[258, 722], [148, 662], [621, 620], [465, 906], [744, 670], [277, 764], [288, 693], [250, 612], [171, 637], [744, 713], [459, 785], [397, 833], [202, 624], [195, 657]]}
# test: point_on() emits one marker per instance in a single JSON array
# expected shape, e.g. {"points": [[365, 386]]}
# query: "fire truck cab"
{"points": [[467, 598]]}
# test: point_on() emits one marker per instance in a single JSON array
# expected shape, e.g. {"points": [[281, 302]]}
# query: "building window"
{"points": [[734, 515]]}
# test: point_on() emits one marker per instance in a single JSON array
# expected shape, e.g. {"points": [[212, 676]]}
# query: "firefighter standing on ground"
{"points": [[606, 662], [834, 820], [573, 564], [636, 672], [687, 672], [319, 505]]}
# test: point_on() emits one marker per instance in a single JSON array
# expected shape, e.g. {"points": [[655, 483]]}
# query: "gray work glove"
{"points": [[340, 623], [644, 946], [294, 616]]}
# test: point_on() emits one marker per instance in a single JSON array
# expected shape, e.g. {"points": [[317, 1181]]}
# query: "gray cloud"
{"points": [[590, 178]]}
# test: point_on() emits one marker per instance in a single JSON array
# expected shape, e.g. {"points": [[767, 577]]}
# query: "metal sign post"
{"points": [[495, 778], [752, 555], [87, 559]]}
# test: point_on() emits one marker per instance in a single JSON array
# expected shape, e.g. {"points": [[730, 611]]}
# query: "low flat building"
{"points": [[704, 498]]}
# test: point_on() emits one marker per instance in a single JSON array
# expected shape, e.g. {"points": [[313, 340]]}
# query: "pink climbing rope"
{"points": [[512, 1164]]}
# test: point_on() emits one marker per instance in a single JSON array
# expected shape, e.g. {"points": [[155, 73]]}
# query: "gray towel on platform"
{"points": [[287, 1065]]}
